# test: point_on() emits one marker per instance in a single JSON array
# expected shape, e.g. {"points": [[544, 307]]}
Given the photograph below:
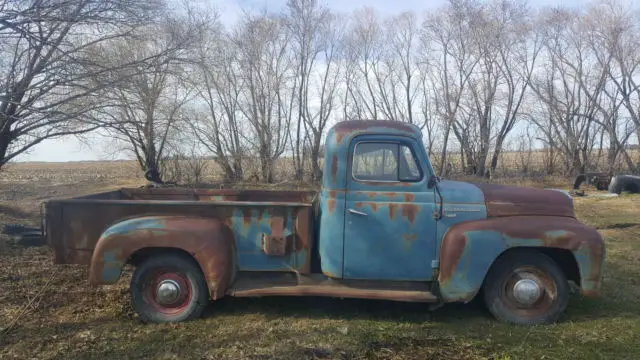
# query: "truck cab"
{"points": [[383, 226], [378, 218]]}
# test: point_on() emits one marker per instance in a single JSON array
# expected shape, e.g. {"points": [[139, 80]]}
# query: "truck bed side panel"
{"points": [[74, 227]]}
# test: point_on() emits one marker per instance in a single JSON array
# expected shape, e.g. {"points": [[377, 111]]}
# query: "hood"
{"points": [[458, 192], [514, 201]]}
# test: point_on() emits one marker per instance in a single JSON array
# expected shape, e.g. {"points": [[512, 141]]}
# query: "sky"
{"points": [[96, 147]]}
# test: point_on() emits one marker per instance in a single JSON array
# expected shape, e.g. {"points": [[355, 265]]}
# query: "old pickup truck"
{"points": [[382, 226]]}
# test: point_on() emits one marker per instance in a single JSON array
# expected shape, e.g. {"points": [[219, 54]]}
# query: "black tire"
{"points": [[622, 183], [530, 265], [177, 269]]}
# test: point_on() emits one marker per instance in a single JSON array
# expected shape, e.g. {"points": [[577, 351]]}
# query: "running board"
{"points": [[323, 286]]}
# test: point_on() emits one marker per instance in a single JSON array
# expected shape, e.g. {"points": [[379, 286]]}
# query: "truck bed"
{"points": [[73, 226]]}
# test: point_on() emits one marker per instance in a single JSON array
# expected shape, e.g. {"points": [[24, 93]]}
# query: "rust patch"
{"points": [[409, 197], [504, 201], [331, 203], [246, 216], [383, 183], [338, 290], [330, 274], [275, 244], [358, 204], [554, 232], [565, 241], [208, 240], [410, 237], [334, 169], [451, 251], [392, 210], [353, 126], [410, 211], [294, 244]]}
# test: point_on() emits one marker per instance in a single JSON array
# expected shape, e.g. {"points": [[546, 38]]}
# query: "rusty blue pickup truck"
{"points": [[382, 226]]}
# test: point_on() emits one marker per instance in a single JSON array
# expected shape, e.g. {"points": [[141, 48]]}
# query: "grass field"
{"points": [[50, 312]]}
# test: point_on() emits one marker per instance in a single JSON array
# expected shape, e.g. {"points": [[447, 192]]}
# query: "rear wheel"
{"points": [[526, 288], [168, 288]]}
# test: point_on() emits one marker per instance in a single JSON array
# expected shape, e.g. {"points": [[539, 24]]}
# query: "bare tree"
{"points": [[365, 49], [45, 66], [601, 32], [262, 42], [560, 87], [400, 92], [145, 108], [506, 49], [447, 34], [316, 37], [621, 28], [218, 83]]}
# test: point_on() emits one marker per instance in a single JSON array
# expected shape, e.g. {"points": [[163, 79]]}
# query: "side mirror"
{"points": [[433, 180]]}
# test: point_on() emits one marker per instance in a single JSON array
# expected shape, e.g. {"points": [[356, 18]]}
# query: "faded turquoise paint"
{"points": [[462, 202], [482, 247], [331, 231], [128, 226], [381, 247], [396, 240], [330, 227], [248, 232], [248, 229], [337, 149], [457, 192], [112, 267]]}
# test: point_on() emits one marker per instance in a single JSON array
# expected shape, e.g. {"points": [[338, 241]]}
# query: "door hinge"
{"points": [[435, 264], [436, 215]]}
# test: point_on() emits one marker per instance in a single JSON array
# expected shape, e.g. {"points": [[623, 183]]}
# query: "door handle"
{"points": [[356, 212]]}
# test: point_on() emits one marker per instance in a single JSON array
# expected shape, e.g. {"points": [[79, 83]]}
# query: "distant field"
{"points": [[54, 314]]}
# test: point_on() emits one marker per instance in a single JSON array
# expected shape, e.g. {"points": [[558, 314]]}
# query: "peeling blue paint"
{"points": [[112, 267], [129, 226], [482, 247]]}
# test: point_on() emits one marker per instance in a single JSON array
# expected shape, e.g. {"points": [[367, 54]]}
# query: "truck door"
{"points": [[389, 225]]}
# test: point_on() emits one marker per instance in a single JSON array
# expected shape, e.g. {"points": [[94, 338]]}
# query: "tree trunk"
{"points": [[5, 140], [443, 158]]}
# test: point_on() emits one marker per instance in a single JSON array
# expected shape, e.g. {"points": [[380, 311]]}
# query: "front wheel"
{"points": [[168, 288], [526, 288]]}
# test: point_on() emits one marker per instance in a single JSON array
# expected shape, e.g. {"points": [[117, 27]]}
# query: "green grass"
{"points": [[71, 320]]}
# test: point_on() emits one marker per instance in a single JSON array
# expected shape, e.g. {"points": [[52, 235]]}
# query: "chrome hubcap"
{"points": [[167, 292], [527, 291]]}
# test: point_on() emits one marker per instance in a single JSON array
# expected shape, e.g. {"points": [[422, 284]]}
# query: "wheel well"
{"points": [[562, 257]]}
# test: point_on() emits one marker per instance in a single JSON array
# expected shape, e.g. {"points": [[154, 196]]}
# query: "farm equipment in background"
{"points": [[24, 235], [622, 183], [600, 180], [614, 184]]}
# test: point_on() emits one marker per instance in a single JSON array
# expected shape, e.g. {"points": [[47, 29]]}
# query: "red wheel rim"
{"points": [[176, 304]]}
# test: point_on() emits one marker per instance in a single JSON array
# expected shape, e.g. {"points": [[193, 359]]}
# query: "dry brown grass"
{"points": [[68, 319]]}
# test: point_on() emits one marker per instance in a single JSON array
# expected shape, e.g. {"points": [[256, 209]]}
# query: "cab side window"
{"points": [[381, 161]]}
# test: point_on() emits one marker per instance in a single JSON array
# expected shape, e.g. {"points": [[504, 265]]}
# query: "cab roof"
{"points": [[353, 127], [341, 134]]}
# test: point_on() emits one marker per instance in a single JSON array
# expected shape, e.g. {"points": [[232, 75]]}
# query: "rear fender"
{"points": [[208, 240], [469, 249]]}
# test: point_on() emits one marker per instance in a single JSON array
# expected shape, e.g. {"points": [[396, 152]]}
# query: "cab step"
{"points": [[257, 285]]}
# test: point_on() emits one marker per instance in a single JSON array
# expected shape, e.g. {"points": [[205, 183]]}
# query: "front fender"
{"points": [[469, 249], [209, 241]]}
